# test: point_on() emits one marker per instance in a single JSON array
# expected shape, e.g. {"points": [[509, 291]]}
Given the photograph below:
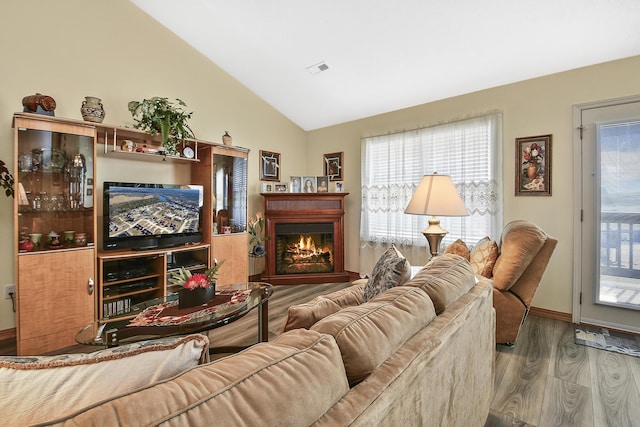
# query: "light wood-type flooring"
{"points": [[544, 380], [548, 380]]}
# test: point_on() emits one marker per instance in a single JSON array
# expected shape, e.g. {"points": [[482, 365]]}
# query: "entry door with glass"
{"points": [[610, 231]]}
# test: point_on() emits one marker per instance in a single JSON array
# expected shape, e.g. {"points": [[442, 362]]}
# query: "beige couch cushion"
{"points": [[368, 334], [521, 242], [36, 389], [306, 314], [444, 278], [290, 381]]}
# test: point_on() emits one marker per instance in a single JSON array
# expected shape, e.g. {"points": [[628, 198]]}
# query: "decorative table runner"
{"points": [[168, 313]]}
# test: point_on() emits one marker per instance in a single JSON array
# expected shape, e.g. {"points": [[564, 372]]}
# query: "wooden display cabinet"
{"points": [[55, 167], [54, 194], [223, 174]]}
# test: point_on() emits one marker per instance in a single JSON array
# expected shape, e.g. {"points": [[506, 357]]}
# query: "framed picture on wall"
{"points": [[333, 166], [269, 166], [533, 166]]}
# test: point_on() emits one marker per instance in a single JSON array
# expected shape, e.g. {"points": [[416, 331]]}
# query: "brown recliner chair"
{"points": [[525, 250]]}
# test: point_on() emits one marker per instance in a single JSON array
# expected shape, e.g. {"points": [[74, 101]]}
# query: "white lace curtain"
{"points": [[392, 166]]}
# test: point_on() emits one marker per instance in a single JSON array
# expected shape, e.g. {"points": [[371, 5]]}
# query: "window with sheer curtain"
{"points": [[392, 166]]}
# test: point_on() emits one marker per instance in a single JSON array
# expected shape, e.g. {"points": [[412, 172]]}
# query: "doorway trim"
{"points": [[577, 193]]}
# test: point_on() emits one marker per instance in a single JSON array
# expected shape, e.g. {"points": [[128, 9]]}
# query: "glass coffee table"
{"points": [[161, 317]]}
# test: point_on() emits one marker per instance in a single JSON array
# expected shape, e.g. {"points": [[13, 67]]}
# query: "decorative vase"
{"points": [[194, 297], [226, 138], [92, 109], [258, 250], [532, 171]]}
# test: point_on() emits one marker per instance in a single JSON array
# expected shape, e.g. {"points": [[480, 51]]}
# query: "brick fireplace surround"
{"points": [[299, 209]]}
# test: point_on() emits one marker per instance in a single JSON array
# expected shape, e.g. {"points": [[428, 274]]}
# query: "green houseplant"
{"points": [[6, 180], [196, 288], [169, 119]]}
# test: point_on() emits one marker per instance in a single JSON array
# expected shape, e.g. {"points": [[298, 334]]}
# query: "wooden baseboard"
{"points": [[8, 334], [551, 314]]}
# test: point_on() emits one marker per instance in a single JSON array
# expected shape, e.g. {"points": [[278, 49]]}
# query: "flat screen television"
{"points": [[148, 216]]}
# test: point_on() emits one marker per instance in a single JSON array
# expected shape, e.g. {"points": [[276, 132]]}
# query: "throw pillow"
{"points": [[483, 257], [40, 388], [391, 270], [459, 248]]}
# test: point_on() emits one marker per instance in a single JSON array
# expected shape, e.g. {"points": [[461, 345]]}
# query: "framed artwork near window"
{"points": [[333, 166], [269, 166], [533, 166], [267, 187]]}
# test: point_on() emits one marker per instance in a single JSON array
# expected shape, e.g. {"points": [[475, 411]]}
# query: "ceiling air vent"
{"points": [[317, 68]]}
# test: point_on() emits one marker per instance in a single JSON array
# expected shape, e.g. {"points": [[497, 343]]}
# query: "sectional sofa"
{"points": [[421, 353]]}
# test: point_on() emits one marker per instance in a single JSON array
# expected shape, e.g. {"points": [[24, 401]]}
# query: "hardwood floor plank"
{"points": [[566, 404], [496, 419], [570, 361], [521, 391], [614, 389]]}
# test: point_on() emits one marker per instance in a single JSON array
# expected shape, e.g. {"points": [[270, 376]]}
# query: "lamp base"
{"points": [[434, 235]]}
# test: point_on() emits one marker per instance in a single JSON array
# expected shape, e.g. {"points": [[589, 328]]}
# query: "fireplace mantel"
{"points": [[305, 208]]}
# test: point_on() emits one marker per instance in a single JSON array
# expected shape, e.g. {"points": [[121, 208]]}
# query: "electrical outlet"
{"points": [[9, 289]]}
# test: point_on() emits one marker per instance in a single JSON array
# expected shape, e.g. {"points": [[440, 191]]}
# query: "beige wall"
{"points": [[533, 107], [73, 48], [69, 49]]}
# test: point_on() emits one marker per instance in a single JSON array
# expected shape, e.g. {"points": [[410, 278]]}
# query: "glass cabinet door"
{"points": [[54, 190], [229, 194]]}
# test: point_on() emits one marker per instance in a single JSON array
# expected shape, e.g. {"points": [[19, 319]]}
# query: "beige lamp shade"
{"points": [[437, 196]]}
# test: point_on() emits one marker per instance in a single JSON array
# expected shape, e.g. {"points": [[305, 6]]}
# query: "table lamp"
{"points": [[436, 195]]}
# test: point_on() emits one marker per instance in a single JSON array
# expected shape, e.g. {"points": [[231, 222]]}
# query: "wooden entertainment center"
{"points": [[64, 278]]}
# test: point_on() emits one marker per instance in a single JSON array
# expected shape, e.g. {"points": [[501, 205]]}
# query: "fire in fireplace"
{"points": [[304, 248]]}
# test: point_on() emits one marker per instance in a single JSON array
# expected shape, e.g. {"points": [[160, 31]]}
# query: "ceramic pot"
{"points": [[226, 138], [258, 250], [532, 171], [194, 297], [92, 109]]}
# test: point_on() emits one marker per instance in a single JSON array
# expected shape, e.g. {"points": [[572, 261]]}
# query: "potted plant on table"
{"points": [[169, 119], [196, 288], [256, 231], [6, 180]]}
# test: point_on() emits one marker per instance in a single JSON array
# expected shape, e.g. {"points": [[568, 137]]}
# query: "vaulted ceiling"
{"points": [[324, 62]]}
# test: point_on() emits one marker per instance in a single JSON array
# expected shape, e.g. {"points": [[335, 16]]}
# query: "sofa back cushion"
{"points": [[306, 314], [520, 243], [444, 278], [40, 388], [290, 381], [368, 334]]}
